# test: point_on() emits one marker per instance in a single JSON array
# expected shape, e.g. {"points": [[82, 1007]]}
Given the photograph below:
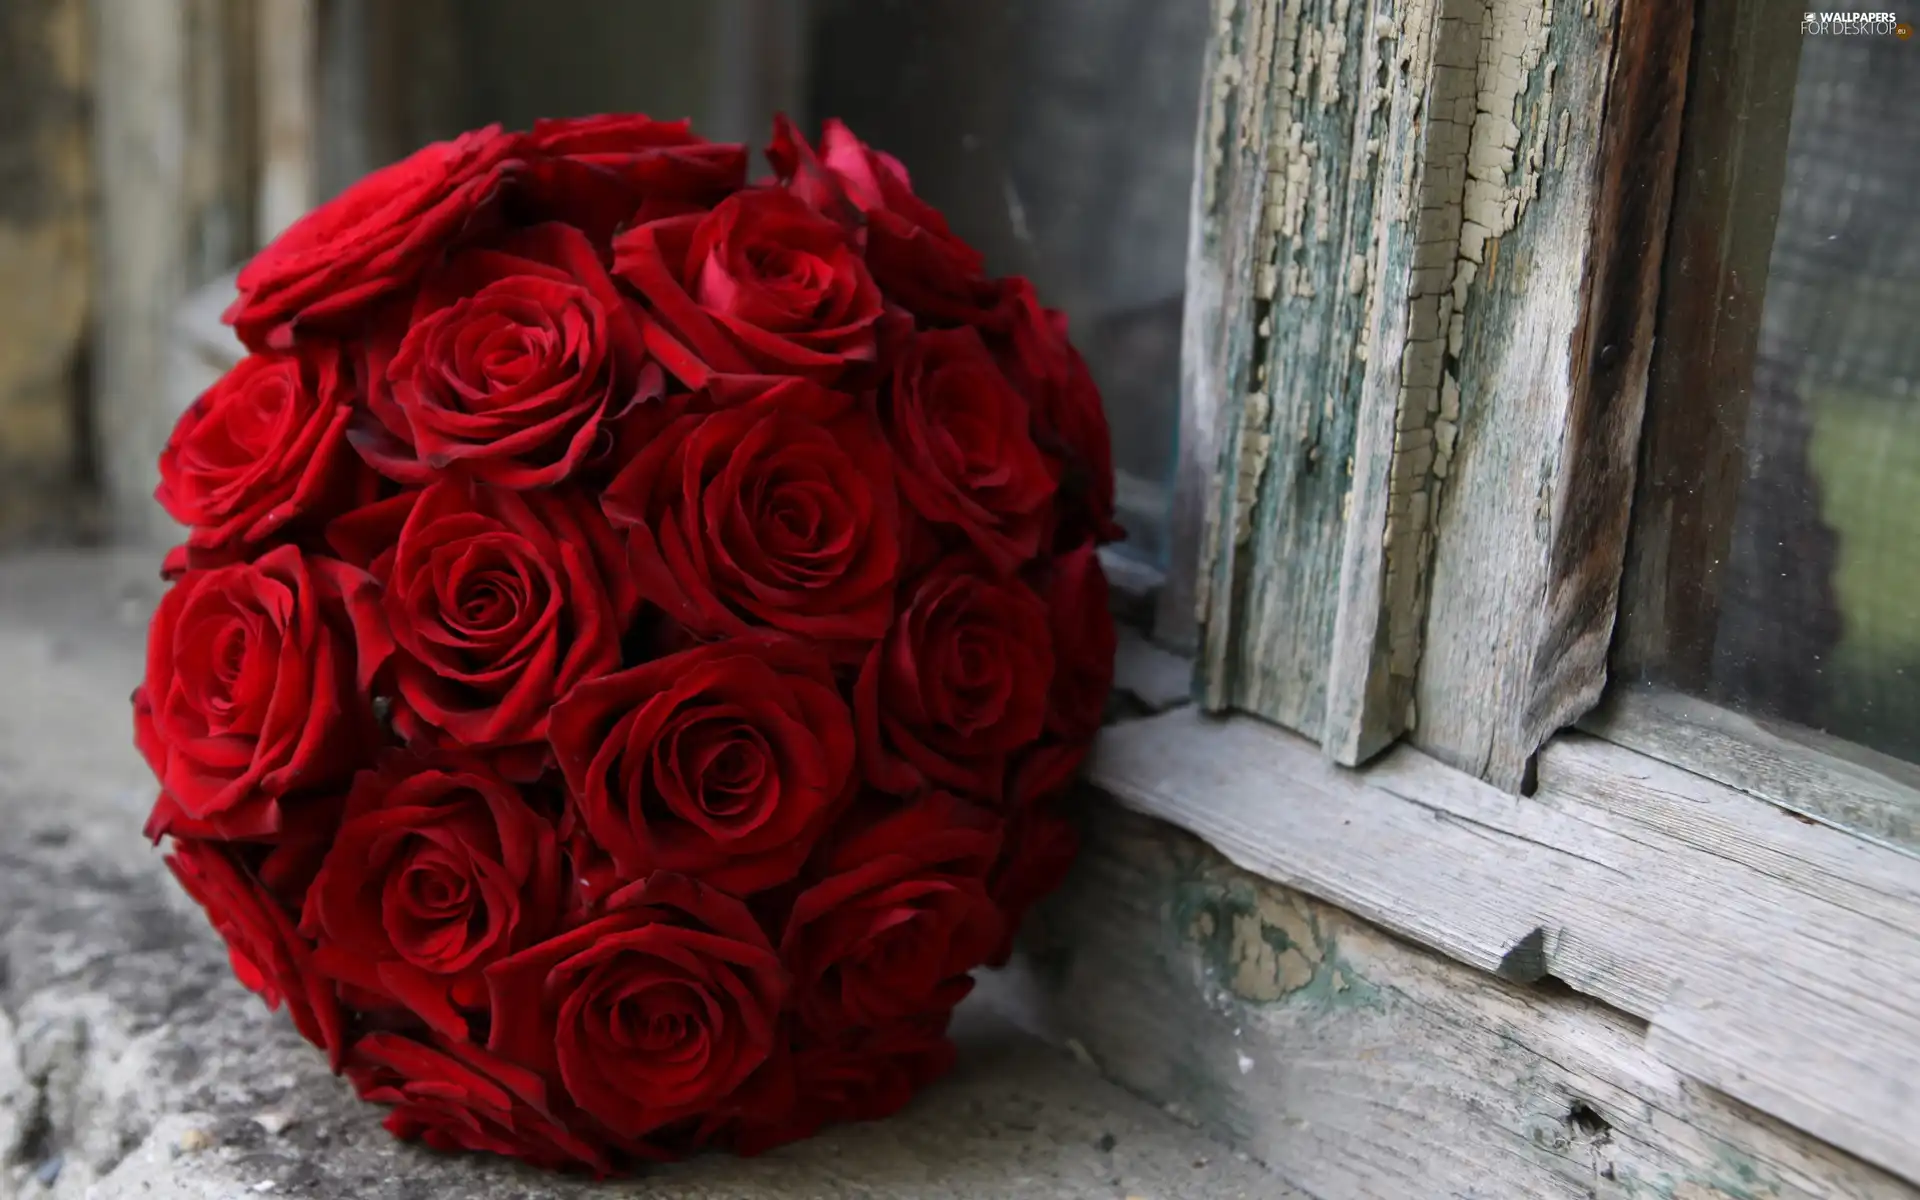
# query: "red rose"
{"points": [[967, 462], [856, 1075], [499, 602], [251, 688], [1040, 847], [453, 1095], [262, 450], [1041, 844], [899, 919], [722, 762], [913, 255], [438, 870], [591, 876], [284, 860], [267, 954], [958, 684], [517, 355], [601, 173], [653, 1013], [1044, 772], [778, 513], [369, 241], [762, 285], [1083, 644], [1069, 422]]}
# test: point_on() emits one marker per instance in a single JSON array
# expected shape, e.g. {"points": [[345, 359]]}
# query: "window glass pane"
{"points": [[1819, 605]]}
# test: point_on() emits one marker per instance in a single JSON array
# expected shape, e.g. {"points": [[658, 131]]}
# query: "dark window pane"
{"points": [[1819, 604]]}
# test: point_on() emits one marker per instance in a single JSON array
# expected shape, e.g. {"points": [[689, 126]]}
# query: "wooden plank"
{"points": [[1358, 1066], [1733, 154], [1217, 350], [1613, 346], [1553, 291], [1361, 332], [1318, 130], [1402, 436], [1673, 801], [1607, 880], [1810, 773]]}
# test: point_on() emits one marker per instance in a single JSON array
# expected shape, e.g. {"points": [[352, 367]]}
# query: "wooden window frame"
{"points": [[1739, 886]]}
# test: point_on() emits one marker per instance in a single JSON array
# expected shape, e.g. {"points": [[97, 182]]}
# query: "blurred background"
{"points": [[147, 147]]}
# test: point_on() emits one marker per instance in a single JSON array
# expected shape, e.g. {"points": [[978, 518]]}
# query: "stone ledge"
{"points": [[133, 1065]]}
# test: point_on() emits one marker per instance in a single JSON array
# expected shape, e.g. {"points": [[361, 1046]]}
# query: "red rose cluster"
{"points": [[635, 632]]}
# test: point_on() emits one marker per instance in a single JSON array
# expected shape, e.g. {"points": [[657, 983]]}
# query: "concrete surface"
{"points": [[132, 1064]]}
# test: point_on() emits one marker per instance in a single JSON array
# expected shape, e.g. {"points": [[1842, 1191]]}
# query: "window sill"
{"points": [[1822, 778], [1775, 961]]}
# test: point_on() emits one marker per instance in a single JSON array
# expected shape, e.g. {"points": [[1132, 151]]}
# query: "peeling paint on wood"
{"points": [[1557, 281], [1416, 210], [1473, 187], [1309, 80]]}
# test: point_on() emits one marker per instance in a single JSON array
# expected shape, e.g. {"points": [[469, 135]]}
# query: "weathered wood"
{"points": [[1359, 1067], [1613, 346], [1773, 946], [1400, 459], [1733, 154], [1363, 172], [1548, 344], [45, 240], [1296, 183], [1656, 891], [1820, 777]]}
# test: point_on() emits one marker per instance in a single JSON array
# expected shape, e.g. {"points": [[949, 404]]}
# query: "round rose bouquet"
{"points": [[635, 633]]}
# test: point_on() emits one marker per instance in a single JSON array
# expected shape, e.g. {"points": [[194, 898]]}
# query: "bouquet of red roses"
{"points": [[635, 632]]}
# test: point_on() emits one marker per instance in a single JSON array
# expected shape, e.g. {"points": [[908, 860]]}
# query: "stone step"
{"points": [[133, 1065]]}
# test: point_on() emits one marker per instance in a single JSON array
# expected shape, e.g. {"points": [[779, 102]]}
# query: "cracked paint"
{"points": [[1481, 170]]}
